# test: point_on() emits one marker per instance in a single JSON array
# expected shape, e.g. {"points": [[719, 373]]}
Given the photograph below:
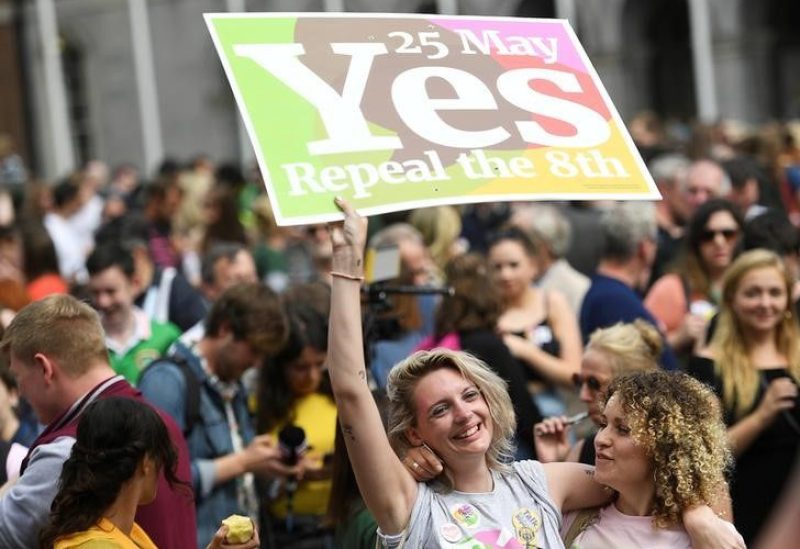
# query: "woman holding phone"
{"points": [[753, 363]]}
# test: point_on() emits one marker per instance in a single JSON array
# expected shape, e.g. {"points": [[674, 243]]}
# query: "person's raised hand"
{"points": [[550, 438], [349, 234], [422, 463]]}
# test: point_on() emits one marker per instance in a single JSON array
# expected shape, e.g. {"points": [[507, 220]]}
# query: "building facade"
{"points": [[646, 52]]}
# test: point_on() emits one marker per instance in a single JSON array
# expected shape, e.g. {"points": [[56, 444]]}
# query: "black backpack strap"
{"points": [[192, 408]]}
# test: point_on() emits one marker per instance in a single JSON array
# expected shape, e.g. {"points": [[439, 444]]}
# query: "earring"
{"points": [[788, 314]]}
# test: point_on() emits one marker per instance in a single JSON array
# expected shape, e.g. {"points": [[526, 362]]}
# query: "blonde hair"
{"points": [[678, 422], [740, 381], [440, 228], [402, 382], [61, 327], [628, 347]]}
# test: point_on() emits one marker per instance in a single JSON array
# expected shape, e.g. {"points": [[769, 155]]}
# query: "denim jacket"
{"points": [[164, 385]]}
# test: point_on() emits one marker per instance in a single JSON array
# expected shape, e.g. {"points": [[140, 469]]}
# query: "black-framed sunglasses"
{"points": [[591, 382], [707, 235]]}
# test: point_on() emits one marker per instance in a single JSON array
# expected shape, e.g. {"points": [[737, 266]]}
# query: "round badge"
{"points": [[466, 514], [450, 532]]}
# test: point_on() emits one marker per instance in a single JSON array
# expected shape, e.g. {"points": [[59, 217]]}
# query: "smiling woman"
{"points": [[455, 405], [753, 363]]}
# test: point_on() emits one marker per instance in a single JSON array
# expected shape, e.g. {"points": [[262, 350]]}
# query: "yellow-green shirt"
{"points": [[104, 535]]}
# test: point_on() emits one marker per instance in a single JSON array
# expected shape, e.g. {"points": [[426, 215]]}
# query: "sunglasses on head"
{"points": [[708, 235], [590, 381]]}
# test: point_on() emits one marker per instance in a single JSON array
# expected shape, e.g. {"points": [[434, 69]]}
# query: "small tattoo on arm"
{"points": [[348, 432], [362, 375], [589, 472], [358, 263]]}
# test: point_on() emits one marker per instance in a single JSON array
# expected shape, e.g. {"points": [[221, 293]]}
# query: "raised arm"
{"points": [[387, 488]]}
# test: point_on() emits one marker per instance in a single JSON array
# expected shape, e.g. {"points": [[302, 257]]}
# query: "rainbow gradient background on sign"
{"points": [[280, 122]]}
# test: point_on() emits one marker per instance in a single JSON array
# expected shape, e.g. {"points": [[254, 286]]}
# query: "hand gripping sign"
{"points": [[398, 112]]}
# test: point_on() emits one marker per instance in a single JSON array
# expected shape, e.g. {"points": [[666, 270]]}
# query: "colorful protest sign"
{"points": [[396, 112]]}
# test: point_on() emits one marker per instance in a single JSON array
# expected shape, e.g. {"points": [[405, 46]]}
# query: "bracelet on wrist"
{"points": [[347, 276]]}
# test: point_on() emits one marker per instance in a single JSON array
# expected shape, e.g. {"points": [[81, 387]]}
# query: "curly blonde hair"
{"points": [[678, 422], [402, 382], [740, 381]]}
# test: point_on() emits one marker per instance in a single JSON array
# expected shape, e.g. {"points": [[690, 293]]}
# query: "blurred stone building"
{"points": [[107, 69]]}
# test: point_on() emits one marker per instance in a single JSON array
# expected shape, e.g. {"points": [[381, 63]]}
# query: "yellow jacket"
{"points": [[104, 535]]}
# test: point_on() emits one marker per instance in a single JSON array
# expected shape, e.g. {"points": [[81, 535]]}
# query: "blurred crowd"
{"points": [[219, 317]]}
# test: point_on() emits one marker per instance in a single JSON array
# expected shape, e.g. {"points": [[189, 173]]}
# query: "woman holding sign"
{"points": [[454, 404]]}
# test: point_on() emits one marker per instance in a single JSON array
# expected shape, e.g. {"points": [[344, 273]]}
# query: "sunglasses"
{"points": [[728, 234], [590, 381]]}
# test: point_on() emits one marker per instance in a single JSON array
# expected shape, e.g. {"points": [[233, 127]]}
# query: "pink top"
{"points": [[614, 530], [666, 301]]}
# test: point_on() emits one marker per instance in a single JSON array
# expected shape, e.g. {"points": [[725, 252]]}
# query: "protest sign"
{"points": [[395, 112]]}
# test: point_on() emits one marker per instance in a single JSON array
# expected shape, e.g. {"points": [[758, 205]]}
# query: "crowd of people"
{"points": [[594, 374]]}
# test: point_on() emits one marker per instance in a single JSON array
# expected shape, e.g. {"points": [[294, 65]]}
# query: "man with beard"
{"points": [[243, 326]]}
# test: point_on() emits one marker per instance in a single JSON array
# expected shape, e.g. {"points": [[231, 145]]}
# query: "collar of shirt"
{"points": [[141, 332]]}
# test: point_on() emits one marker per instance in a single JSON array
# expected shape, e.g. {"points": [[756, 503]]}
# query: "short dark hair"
{"points": [[740, 170], [772, 230], [107, 256], [156, 191], [64, 192], [218, 250], [514, 234], [253, 313]]}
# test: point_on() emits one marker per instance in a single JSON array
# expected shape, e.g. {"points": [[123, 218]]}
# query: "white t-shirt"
{"points": [[614, 530], [516, 514], [70, 249]]}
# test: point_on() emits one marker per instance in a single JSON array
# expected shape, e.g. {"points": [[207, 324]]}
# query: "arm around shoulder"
{"points": [[572, 486]]}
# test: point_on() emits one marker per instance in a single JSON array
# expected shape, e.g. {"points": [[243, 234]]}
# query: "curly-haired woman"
{"points": [[620, 349], [662, 449]]}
